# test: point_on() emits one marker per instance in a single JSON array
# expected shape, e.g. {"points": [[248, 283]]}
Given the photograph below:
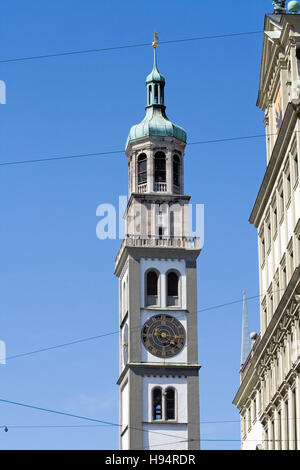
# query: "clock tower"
{"points": [[156, 267]]}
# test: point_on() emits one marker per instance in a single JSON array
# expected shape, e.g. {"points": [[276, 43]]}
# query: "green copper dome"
{"points": [[155, 123]]}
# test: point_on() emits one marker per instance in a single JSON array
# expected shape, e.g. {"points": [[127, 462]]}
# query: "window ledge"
{"points": [[164, 421]]}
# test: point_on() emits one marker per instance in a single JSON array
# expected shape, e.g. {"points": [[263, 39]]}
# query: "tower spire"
{"points": [[246, 348]]}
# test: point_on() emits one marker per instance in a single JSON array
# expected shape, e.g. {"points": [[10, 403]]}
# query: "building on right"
{"points": [[269, 394]]}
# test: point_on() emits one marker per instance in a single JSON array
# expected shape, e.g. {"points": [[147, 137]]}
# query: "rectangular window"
{"points": [[264, 315], [274, 217], [276, 289], [290, 259], [262, 248], [268, 225], [281, 203], [294, 160], [295, 168], [283, 274], [278, 111], [288, 184], [271, 301]]}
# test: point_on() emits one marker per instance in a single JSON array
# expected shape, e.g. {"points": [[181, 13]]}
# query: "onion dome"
{"points": [[156, 122]]}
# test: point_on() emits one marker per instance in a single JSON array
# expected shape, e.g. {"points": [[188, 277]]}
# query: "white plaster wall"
{"points": [[146, 355], [179, 383], [125, 441], [270, 267], [254, 437], [290, 221], [264, 280], [163, 265], [276, 253], [172, 441], [297, 202], [124, 345], [125, 406]]}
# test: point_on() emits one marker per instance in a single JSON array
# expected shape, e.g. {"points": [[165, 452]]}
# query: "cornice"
{"points": [[152, 141], [165, 368], [260, 361], [291, 115], [272, 50]]}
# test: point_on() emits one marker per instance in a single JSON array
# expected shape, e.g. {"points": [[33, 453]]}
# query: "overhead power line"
{"points": [[101, 154], [57, 346], [102, 422], [49, 426], [86, 418], [103, 335], [128, 46]]}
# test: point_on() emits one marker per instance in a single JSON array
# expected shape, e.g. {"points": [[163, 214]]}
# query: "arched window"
{"points": [[142, 168], [150, 95], [170, 403], [176, 170], [155, 94], [151, 288], [172, 289], [160, 167], [157, 404]]}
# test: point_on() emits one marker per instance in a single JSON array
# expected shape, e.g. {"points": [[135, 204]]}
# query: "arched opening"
{"points": [[142, 169], [172, 289], [176, 171], [170, 403], [155, 94], [156, 404], [151, 288], [149, 95], [159, 168]]}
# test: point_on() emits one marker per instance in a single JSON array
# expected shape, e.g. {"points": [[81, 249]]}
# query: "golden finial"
{"points": [[244, 292], [156, 40]]}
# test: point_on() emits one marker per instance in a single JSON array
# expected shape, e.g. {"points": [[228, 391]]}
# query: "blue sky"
{"points": [[56, 277]]}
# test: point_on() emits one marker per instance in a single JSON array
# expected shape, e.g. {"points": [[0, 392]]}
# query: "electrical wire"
{"points": [[100, 154], [128, 46], [57, 346], [46, 426], [71, 415], [103, 335]]}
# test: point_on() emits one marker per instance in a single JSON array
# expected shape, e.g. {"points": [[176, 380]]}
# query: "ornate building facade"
{"points": [[269, 395], [156, 267]]}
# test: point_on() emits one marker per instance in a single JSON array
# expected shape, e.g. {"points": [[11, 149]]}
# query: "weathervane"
{"points": [[279, 5], [156, 40]]}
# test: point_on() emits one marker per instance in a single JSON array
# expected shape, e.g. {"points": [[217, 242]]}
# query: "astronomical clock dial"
{"points": [[163, 336]]}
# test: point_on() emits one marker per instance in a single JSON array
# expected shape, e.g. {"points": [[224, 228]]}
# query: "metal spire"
{"points": [[246, 347]]}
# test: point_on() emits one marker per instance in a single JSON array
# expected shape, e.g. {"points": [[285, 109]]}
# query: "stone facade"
{"points": [[269, 395], [159, 393]]}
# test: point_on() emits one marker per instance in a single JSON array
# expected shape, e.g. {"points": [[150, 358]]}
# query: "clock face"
{"points": [[163, 336]]}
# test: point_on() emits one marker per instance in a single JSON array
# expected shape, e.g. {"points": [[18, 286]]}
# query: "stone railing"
{"points": [[142, 188], [187, 243], [160, 187]]}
